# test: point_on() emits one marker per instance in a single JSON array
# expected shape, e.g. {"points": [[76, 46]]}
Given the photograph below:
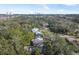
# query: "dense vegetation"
{"points": [[16, 34]]}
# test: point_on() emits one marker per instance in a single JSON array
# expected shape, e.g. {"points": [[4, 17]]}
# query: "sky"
{"points": [[39, 8]]}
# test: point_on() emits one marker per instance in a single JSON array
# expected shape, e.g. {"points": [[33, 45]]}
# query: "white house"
{"points": [[34, 30]]}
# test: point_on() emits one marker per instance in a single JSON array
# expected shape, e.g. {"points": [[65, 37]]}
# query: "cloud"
{"points": [[42, 9], [70, 4], [14, 11], [46, 10]]}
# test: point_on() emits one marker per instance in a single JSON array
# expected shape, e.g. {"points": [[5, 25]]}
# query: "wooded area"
{"points": [[16, 34]]}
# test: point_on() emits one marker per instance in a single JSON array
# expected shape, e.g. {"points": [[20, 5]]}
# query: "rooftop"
{"points": [[35, 30]]}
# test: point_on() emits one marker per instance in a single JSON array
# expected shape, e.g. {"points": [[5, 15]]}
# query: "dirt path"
{"points": [[71, 39]]}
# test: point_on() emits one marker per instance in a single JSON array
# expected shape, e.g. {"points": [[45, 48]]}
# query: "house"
{"points": [[34, 30], [45, 25], [38, 37], [38, 34], [38, 41]]}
